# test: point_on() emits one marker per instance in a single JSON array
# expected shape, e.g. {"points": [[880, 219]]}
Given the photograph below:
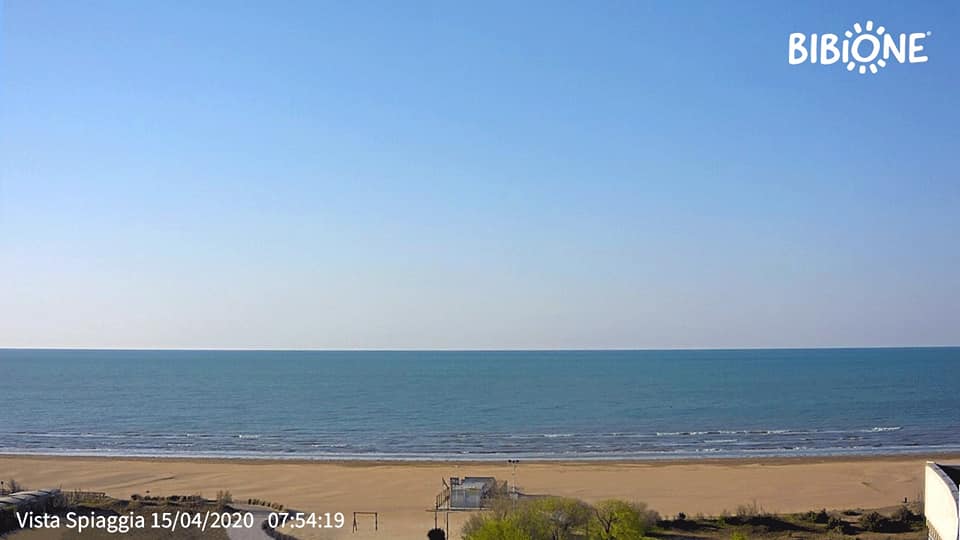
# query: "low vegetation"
{"points": [[12, 486], [224, 499], [902, 519], [752, 522], [268, 504], [555, 518]]}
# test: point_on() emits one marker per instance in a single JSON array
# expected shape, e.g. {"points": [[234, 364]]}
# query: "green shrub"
{"points": [[493, 529], [557, 518], [904, 515], [836, 524], [816, 517], [747, 511], [874, 522]]}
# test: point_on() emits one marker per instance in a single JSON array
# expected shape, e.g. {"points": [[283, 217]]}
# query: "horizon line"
{"points": [[524, 349]]}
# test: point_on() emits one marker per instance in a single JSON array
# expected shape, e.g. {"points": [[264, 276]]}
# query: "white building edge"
{"points": [[941, 501]]}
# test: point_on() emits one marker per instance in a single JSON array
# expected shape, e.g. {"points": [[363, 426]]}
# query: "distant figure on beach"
{"points": [[436, 534]]}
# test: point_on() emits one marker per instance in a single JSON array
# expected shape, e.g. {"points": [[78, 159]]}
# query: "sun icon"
{"points": [[872, 61]]}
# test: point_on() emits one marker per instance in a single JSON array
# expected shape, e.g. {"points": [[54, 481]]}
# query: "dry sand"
{"points": [[402, 493]]}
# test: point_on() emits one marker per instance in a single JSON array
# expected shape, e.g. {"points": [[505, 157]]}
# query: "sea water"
{"points": [[480, 405]]}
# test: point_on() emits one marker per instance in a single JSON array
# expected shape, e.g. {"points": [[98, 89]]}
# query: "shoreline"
{"points": [[746, 348], [413, 462]]}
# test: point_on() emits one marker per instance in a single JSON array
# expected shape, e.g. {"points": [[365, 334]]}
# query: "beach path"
{"points": [[260, 514]]}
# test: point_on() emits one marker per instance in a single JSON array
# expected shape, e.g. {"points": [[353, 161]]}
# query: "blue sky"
{"points": [[473, 175]]}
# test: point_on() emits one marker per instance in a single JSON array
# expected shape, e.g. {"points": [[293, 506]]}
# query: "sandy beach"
{"points": [[403, 492]]}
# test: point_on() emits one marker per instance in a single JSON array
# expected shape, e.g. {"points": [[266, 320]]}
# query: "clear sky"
{"points": [[473, 175]]}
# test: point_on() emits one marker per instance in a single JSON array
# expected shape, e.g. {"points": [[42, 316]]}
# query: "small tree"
{"points": [[621, 520], [564, 516]]}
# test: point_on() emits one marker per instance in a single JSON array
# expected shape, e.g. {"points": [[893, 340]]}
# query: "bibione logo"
{"points": [[863, 48]]}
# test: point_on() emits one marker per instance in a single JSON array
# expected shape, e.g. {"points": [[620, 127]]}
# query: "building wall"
{"points": [[465, 498], [940, 506]]}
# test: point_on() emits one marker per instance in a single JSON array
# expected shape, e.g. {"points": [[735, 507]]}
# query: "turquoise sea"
{"points": [[480, 405]]}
